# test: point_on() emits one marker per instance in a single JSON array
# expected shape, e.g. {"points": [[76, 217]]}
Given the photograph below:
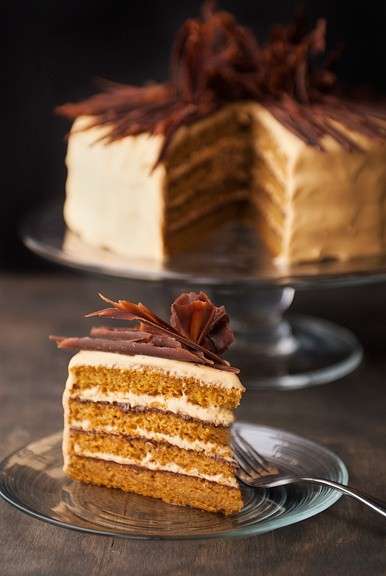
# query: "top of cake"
{"points": [[216, 61], [197, 335]]}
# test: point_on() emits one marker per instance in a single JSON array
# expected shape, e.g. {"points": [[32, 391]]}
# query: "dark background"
{"points": [[56, 49]]}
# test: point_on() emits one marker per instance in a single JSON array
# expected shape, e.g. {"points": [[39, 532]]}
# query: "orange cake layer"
{"points": [[167, 486], [191, 235], [152, 382], [213, 165], [225, 195], [154, 455], [232, 123], [190, 390], [150, 423]]}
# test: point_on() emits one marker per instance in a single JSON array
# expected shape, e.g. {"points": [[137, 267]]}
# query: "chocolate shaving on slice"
{"points": [[216, 61], [200, 334], [125, 310], [191, 315], [120, 334], [197, 318], [165, 341], [130, 348]]}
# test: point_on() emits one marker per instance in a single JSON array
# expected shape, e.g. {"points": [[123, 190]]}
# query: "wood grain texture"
{"points": [[348, 416]]}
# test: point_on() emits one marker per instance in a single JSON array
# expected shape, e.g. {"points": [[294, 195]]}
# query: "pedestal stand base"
{"points": [[321, 352]]}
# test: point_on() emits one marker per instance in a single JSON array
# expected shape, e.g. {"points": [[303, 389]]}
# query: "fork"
{"points": [[256, 471]]}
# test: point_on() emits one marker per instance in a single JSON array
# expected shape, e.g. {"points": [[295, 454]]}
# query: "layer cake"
{"points": [[148, 410], [249, 133]]}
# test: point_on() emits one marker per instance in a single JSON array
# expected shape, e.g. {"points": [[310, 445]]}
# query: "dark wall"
{"points": [[56, 49]]}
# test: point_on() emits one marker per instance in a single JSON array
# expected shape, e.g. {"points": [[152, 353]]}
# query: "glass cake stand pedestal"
{"points": [[274, 350]]}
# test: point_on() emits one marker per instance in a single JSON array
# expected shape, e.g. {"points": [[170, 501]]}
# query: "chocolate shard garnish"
{"points": [[125, 310], [135, 335], [197, 318], [165, 341], [199, 331], [216, 61], [130, 348], [120, 334]]}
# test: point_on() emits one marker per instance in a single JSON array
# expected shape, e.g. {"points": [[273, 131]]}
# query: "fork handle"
{"points": [[354, 493]]}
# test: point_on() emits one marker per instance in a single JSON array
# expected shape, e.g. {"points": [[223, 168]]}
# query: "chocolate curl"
{"points": [[197, 318], [125, 310], [314, 43], [191, 314], [130, 348], [219, 336], [120, 334], [165, 341], [215, 61], [133, 336]]}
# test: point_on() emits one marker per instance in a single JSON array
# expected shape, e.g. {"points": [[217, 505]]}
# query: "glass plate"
{"points": [[32, 480], [233, 257]]}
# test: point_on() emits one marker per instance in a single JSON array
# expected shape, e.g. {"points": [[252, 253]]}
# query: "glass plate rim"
{"points": [[295, 278], [244, 532]]}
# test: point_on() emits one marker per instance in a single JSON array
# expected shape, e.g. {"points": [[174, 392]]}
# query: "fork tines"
{"points": [[250, 461]]}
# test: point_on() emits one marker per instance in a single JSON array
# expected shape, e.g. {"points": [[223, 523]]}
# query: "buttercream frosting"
{"points": [[113, 198]]}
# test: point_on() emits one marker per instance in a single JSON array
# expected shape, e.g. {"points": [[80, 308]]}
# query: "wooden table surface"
{"points": [[348, 416]]}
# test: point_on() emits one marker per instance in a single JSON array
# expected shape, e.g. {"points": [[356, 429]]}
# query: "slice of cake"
{"points": [[148, 409], [241, 131]]}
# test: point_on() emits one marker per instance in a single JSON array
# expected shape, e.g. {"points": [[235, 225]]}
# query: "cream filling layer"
{"points": [[148, 462], [214, 415], [209, 448]]}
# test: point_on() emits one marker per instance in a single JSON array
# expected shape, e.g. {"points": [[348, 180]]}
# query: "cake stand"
{"points": [[274, 351]]}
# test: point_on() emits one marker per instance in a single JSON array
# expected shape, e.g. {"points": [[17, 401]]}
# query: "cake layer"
{"points": [[200, 373], [228, 157], [215, 201], [232, 121], [152, 455], [205, 230], [210, 178], [155, 382], [180, 406], [169, 487], [150, 424]]}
